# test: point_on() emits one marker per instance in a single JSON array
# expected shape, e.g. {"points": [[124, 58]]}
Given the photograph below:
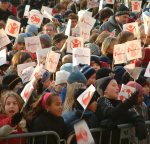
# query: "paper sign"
{"points": [[110, 1], [86, 21], [85, 33], [26, 74], [125, 92], [47, 9], [74, 42], [12, 27], [133, 49], [26, 11], [147, 72], [146, 19], [21, 67], [86, 96], [82, 12], [119, 54], [81, 56], [27, 91], [41, 55], [83, 134], [92, 3], [35, 19], [132, 27], [133, 71], [33, 44], [101, 4], [3, 56], [4, 40], [136, 6], [68, 28], [75, 32], [52, 61]]}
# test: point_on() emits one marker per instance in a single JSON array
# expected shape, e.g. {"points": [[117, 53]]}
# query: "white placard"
{"points": [[101, 5], [75, 32], [35, 19], [12, 27], [133, 50], [85, 33], [81, 56], [27, 11], [132, 27], [41, 55], [146, 19], [47, 9], [21, 67], [3, 57], [119, 54], [147, 72], [136, 6], [52, 61], [33, 44], [92, 3], [110, 1], [83, 134], [74, 42], [4, 40], [68, 28]]}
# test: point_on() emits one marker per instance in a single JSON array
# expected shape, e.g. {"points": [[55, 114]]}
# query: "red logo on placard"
{"points": [[35, 19], [82, 135], [13, 28], [136, 5], [75, 43], [86, 98], [131, 28]]}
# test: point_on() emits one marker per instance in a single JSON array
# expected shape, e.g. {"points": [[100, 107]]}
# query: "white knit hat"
{"points": [[61, 77]]}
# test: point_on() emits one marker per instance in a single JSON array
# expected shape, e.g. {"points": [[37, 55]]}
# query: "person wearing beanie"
{"points": [[111, 111], [32, 29], [103, 72], [12, 82], [4, 10], [67, 67], [116, 21], [95, 63], [90, 74], [140, 107], [45, 40]]}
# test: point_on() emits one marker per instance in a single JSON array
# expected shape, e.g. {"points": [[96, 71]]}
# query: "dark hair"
{"points": [[72, 16]]}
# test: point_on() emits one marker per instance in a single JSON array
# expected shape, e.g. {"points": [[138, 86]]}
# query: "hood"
{"points": [[113, 21]]}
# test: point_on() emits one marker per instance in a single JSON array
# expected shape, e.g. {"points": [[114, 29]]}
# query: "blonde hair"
{"points": [[69, 101], [107, 42], [7, 94]]}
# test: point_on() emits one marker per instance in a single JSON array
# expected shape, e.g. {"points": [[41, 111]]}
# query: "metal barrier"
{"points": [[126, 135], [31, 137]]}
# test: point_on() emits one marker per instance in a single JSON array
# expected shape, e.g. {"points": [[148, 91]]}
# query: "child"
{"points": [[45, 115], [11, 105]]}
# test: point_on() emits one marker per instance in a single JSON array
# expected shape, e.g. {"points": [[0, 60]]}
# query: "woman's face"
{"points": [[112, 90], [11, 106], [56, 106], [110, 49], [146, 90], [91, 80]]}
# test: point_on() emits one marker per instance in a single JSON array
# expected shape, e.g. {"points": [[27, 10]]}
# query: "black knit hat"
{"points": [[58, 37], [122, 10], [95, 59], [88, 71], [103, 72], [101, 84], [10, 81]]}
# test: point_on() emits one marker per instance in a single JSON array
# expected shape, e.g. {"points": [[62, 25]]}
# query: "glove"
{"points": [[141, 130], [16, 118]]}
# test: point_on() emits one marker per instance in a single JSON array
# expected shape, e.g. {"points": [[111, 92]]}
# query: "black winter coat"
{"points": [[46, 121]]}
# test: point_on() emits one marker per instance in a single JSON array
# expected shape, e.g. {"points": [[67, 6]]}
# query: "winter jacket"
{"points": [[5, 120], [110, 25], [46, 121]]}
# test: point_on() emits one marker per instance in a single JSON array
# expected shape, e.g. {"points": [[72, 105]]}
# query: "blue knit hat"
{"points": [[20, 38], [67, 67], [76, 76], [88, 71], [31, 29], [46, 76]]}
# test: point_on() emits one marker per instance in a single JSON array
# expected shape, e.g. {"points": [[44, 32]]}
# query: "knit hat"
{"points": [[46, 76], [103, 72], [58, 37], [45, 38], [137, 86], [105, 59], [10, 81], [94, 48], [24, 57], [95, 59], [101, 84], [122, 10], [31, 29], [67, 67], [61, 77], [20, 38], [88, 71], [76, 76]]}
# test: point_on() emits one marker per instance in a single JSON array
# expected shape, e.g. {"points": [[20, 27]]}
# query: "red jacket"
{"points": [[5, 120]]}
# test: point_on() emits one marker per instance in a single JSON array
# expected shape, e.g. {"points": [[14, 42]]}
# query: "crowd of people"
{"points": [[53, 104]]}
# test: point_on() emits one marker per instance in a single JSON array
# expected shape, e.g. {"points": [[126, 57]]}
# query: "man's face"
{"points": [[122, 19], [5, 5], [49, 30]]}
